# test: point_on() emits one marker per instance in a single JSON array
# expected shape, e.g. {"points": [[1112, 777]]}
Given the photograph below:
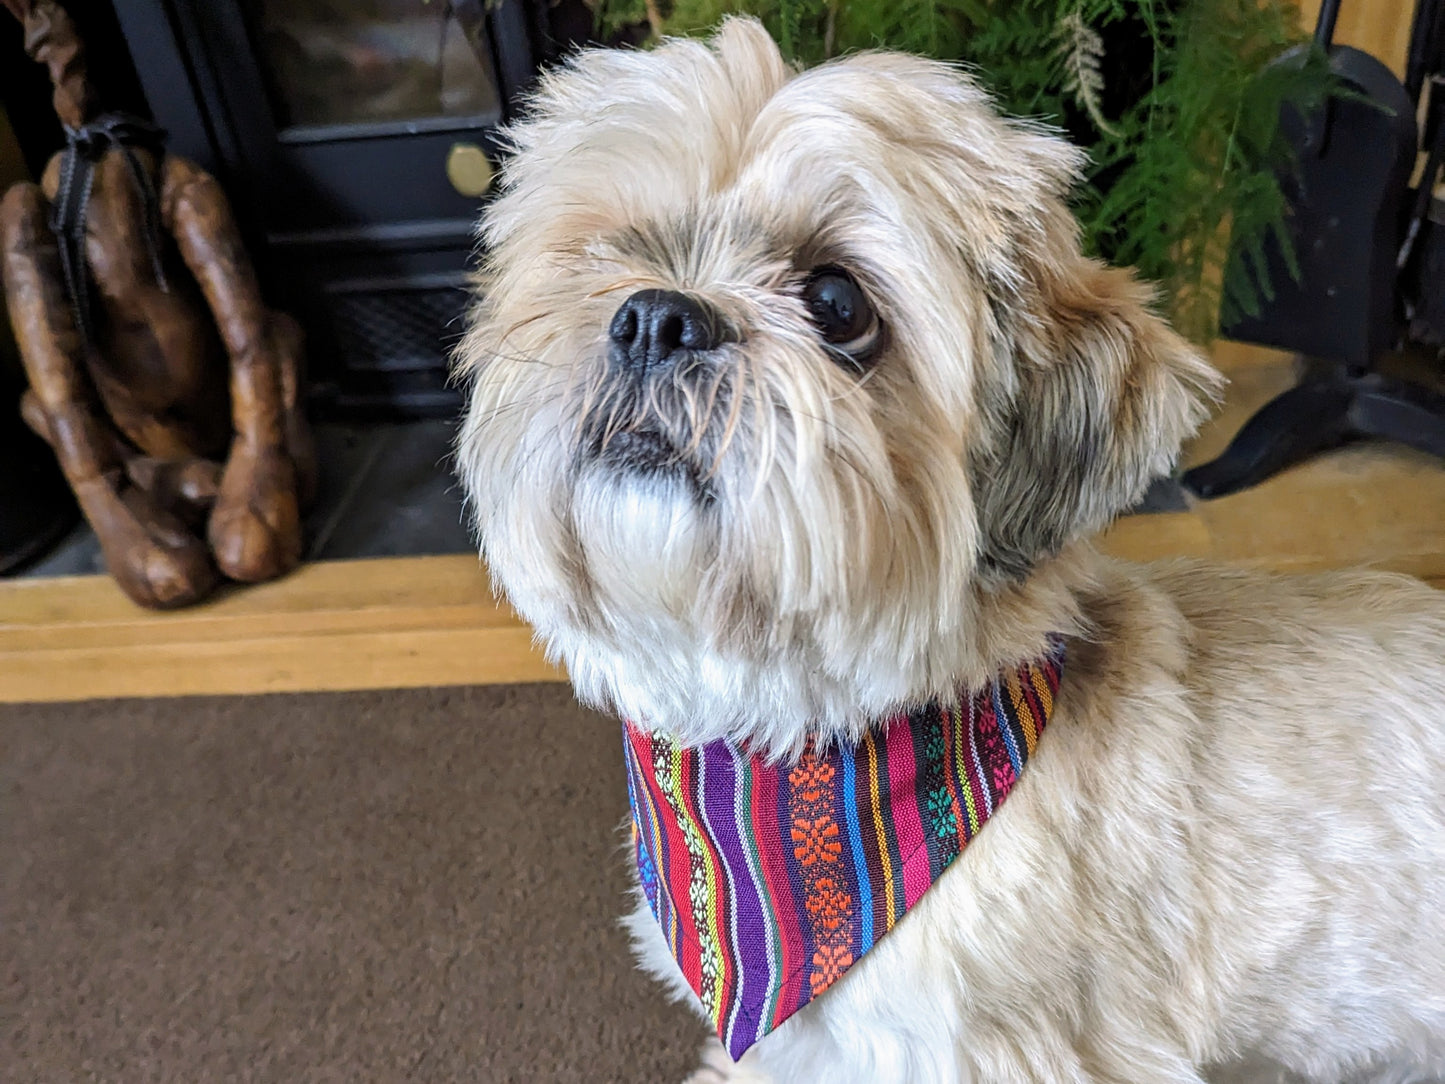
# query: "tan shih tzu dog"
{"points": [[792, 399]]}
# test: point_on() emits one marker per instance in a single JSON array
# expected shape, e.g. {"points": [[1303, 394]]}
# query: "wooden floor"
{"points": [[1380, 506], [419, 621]]}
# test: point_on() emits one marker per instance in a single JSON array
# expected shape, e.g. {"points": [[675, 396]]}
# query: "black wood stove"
{"points": [[356, 140]]}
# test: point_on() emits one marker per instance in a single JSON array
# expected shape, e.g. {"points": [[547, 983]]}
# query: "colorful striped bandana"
{"points": [[769, 881]]}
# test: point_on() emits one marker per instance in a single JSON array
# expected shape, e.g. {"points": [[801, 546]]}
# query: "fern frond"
{"points": [[1081, 48]]}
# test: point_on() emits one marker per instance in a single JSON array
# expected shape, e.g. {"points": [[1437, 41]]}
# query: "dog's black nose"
{"points": [[653, 327]]}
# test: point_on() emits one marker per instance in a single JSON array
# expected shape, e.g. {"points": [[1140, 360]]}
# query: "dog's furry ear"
{"points": [[1103, 394]]}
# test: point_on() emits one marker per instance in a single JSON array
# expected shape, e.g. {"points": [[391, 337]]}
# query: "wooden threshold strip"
{"points": [[405, 622], [385, 623]]}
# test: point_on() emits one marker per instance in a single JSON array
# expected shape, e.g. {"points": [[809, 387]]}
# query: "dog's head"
{"points": [[775, 376]]}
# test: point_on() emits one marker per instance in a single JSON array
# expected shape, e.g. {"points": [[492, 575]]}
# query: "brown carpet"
{"points": [[417, 885]]}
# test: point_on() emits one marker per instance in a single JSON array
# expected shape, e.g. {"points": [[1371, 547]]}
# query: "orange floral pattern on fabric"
{"points": [[817, 845]]}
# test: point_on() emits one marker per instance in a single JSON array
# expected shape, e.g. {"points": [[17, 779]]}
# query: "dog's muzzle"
{"points": [[659, 341]]}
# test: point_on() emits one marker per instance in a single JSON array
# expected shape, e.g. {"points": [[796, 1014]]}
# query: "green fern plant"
{"points": [[1176, 101]]}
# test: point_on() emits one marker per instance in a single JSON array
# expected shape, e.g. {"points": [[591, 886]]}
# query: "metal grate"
{"points": [[398, 329]]}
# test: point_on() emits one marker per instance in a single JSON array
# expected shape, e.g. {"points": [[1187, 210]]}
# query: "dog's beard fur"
{"points": [[761, 542]]}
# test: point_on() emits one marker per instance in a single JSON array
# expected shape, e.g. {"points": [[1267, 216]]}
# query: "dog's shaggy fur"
{"points": [[1230, 846]]}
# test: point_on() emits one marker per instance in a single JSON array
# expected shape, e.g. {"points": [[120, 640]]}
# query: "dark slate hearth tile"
{"points": [[403, 501], [345, 454], [77, 554], [1164, 495]]}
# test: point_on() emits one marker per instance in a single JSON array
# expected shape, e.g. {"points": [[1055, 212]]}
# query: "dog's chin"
{"points": [[641, 530], [646, 456], [638, 452]]}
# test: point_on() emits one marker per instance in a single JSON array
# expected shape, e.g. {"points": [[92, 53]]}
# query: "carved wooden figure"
{"points": [[170, 393]]}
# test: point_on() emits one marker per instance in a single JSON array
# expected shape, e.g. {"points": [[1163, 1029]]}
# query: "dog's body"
{"points": [[791, 400], [1230, 845]]}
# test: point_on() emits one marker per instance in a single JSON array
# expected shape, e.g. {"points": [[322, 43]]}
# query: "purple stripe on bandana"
{"points": [[746, 927]]}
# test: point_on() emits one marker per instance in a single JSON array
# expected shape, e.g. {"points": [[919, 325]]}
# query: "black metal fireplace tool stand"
{"points": [[1371, 266]]}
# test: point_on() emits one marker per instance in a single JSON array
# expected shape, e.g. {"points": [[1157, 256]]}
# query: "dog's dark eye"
{"points": [[842, 313]]}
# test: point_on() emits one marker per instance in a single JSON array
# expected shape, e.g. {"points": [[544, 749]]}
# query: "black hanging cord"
{"points": [[1423, 195], [86, 146], [1325, 24], [1427, 47]]}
